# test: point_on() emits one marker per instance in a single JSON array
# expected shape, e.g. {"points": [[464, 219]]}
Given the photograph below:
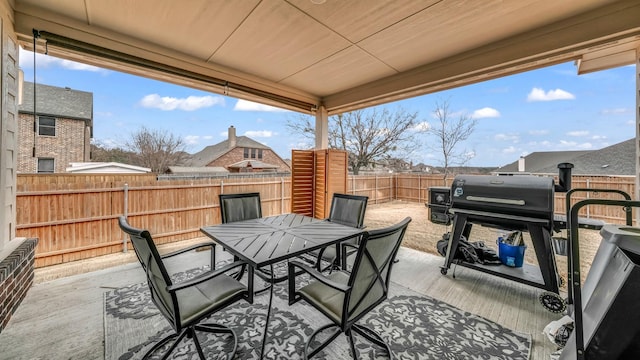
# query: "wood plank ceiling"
{"points": [[343, 55]]}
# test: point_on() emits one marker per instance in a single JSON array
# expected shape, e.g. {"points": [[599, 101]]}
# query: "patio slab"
{"points": [[63, 318]]}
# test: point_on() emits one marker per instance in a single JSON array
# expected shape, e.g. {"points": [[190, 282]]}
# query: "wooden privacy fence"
{"points": [[76, 218], [74, 215]]}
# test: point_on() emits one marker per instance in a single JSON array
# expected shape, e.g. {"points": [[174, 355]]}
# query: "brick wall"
{"points": [[237, 155], [16, 277], [69, 144]]}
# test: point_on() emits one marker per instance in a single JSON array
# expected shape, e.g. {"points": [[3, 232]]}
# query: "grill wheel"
{"points": [[553, 302]]}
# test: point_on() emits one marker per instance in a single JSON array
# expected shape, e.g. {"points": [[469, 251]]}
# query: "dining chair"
{"points": [[246, 206], [185, 304], [238, 207], [343, 297], [347, 210]]}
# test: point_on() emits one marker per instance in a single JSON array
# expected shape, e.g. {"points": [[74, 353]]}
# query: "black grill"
{"points": [[520, 195]]}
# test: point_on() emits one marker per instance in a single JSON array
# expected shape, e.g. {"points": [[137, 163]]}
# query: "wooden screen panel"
{"points": [[302, 181], [336, 176], [321, 209]]}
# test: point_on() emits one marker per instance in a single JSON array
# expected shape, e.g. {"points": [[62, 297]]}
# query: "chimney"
{"points": [[521, 164], [232, 137]]}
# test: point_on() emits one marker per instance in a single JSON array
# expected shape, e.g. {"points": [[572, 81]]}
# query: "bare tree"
{"points": [[102, 152], [449, 133], [156, 149], [369, 136]]}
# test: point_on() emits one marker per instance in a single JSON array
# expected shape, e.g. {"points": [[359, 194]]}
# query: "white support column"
{"points": [[9, 84], [322, 128]]}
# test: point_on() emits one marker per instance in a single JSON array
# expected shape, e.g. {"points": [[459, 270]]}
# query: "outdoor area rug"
{"points": [[416, 327]]}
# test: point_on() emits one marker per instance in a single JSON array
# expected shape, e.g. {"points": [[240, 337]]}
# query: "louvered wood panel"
{"points": [[302, 178], [336, 177], [320, 203]]}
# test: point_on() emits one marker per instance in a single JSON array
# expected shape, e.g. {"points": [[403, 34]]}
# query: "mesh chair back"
{"points": [[238, 207], [157, 276], [348, 209], [372, 269]]}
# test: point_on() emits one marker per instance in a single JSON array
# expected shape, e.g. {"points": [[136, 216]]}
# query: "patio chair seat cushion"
{"points": [[196, 301], [329, 300]]}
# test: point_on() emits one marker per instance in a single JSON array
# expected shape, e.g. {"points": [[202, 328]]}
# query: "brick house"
{"points": [[62, 131], [239, 154]]}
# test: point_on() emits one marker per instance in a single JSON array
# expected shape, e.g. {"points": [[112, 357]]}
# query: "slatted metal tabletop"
{"points": [[272, 239]]}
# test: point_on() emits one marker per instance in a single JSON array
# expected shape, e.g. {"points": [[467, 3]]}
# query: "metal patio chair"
{"points": [[347, 210], [345, 297], [187, 303]]}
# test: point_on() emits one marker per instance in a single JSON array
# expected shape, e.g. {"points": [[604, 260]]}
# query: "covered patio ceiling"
{"points": [[340, 55]]}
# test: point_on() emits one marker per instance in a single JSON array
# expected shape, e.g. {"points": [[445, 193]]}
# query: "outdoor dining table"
{"points": [[265, 241]]}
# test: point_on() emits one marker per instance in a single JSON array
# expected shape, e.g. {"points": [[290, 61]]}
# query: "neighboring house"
{"points": [[618, 159], [239, 154], [61, 131], [105, 167]]}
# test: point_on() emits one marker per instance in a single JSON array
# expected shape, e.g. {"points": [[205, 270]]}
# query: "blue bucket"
{"points": [[511, 255]]}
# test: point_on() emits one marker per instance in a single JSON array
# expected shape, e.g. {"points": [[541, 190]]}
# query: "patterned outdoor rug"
{"points": [[416, 327]]}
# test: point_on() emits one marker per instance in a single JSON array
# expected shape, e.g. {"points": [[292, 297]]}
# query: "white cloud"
{"points": [[578, 133], [509, 150], [631, 122], [485, 112], [538, 94], [616, 111], [598, 137], [575, 145], [195, 139], [538, 132], [47, 61], [245, 105], [260, 133], [192, 139], [506, 137], [422, 126], [190, 103]]}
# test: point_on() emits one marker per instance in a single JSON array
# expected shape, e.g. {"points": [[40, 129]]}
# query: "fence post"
{"points": [[376, 189], [125, 213], [588, 186], [395, 183], [281, 195], [419, 188]]}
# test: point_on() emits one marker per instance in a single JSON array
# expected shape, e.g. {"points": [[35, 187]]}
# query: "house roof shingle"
{"points": [[617, 159], [57, 101], [212, 152]]}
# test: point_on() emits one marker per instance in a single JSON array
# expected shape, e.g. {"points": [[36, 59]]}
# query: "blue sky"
{"points": [[550, 109]]}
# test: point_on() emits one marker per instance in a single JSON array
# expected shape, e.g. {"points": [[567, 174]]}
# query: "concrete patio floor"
{"points": [[62, 317]]}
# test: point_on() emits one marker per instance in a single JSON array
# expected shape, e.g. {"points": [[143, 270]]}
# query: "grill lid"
{"points": [[522, 195]]}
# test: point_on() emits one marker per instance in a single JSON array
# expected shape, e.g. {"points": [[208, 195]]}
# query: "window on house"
{"points": [[45, 166], [260, 154], [46, 126], [246, 153], [253, 153]]}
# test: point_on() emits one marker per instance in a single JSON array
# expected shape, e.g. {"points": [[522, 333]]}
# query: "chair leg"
{"points": [[373, 337], [197, 343], [324, 344], [352, 345], [218, 329], [163, 342]]}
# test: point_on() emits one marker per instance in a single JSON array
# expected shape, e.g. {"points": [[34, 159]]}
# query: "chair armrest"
{"points": [[205, 276], [315, 274], [192, 247]]}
